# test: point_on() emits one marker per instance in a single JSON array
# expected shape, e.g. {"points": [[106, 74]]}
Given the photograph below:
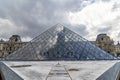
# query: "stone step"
{"points": [[58, 72]]}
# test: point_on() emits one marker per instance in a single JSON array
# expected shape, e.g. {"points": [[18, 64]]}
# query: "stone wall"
{"points": [[8, 47]]}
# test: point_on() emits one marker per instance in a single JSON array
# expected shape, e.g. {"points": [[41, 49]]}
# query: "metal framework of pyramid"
{"points": [[60, 43]]}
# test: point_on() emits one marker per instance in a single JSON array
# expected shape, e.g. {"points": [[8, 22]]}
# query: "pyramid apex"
{"points": [[58, 24], [59, 27]]}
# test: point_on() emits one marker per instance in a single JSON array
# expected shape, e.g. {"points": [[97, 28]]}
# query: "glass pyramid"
{"points": [[59, 43]]}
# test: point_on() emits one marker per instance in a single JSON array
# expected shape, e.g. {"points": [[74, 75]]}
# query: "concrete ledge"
{"points": [[111, 74], [39, 70], [8, 74]]}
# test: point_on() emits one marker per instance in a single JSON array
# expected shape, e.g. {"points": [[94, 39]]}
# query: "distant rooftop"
{"points": [[1, 40], [101, 36]]}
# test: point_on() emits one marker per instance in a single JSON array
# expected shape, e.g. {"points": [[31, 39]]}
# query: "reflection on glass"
{"points": [[60, 43]]}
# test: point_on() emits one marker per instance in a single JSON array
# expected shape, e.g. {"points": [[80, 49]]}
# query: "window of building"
{"points": [[9, 52], [102, 38], [10, 48], [1, 76]]}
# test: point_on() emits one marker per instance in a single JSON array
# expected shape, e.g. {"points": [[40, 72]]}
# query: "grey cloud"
{"points": [[118, 35], [105, 29], [38, 15], [80, 29]]}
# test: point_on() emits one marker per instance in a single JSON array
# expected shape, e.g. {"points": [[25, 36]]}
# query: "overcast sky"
{"points": [[28, 18]]}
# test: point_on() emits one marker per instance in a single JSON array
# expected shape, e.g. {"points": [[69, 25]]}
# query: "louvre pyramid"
{"points": [[59, 43]]}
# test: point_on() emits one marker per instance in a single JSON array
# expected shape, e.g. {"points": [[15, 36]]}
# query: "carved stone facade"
{"points": [[117, 49], [8, 47], [104, 42]]}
